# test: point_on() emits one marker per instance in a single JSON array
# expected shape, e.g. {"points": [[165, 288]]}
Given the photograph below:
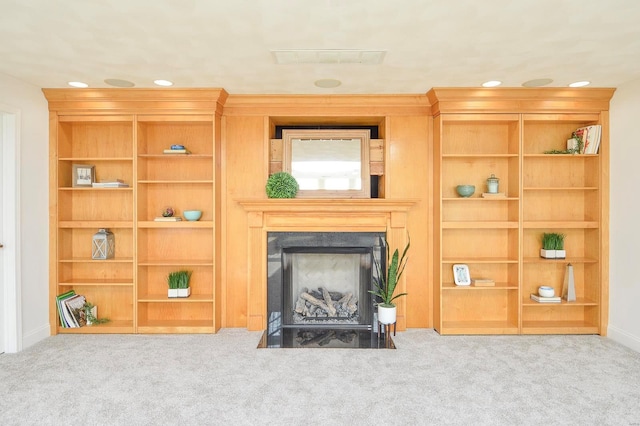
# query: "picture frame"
{"points": [[461, 274], [83, 175]]}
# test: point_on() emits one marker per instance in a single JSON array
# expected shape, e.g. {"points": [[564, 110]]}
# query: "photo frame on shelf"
{"points": [[83, 175], [461, 274]]}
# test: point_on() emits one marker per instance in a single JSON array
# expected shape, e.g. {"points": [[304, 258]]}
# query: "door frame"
{"points": [[11, 279]]}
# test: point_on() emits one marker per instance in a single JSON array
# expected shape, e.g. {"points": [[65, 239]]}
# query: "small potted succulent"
{"points": [[553, 246], [386, 282], [178, 283]]}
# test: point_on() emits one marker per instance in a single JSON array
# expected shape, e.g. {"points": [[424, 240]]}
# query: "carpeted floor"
{"points": [[223, 379]]}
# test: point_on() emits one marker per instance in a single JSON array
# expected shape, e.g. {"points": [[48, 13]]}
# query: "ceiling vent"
{"points": [[328, 56]]}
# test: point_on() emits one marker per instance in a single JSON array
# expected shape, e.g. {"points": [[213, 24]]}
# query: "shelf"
{"points": [[479, 198], [97, 224], [90, 159], [90, 260], [184, 326], [580, 301], [564, 156], [478, 327], [559, 327], [155, 182], [496, 155], [162, 298], [174, 156], [562, 261], [96, 282], [181, 224], [560, 224], [466, 260], [480, 225], [563, 188], [70, 188], [184, 262], [497, 286], [111, 327]]}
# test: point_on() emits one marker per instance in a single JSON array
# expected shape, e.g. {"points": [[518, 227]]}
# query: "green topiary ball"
{"points": [[282, 185]]}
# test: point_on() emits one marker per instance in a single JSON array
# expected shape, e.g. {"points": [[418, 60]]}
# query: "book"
{"points": [[168, 219], [75, 305], [483, 282], [493, 195], [110, 185], [59, 301], [593, 139], [68, 316], [176, 151], [540, 299]]}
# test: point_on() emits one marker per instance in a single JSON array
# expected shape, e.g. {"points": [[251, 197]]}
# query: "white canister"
{"points": [[492, 184]]}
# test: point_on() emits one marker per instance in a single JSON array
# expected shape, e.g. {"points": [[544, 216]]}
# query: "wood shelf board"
{"points": [[564, 156], [89, 260], [162, 298], [181, 224], [560, 188], [111, 327], [497, 286], [580, 301], [480, 198], [480, 225], [96, 282], [558, 327], [171, 182], [192, 326], [175, 262], [560, 224], [496, 155], [478, 327], [163, 156], [467, 260], [69, 188], [111, 224], [90, 159], [566, 260]]}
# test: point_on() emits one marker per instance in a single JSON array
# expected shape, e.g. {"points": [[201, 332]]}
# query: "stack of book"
{"points": [[177, 149], [590, 137], [168, 219], [71, 309], [115, 183], [540, 299]]}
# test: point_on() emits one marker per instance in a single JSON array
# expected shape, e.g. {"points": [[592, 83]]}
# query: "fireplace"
{"points": [[318, 287]]}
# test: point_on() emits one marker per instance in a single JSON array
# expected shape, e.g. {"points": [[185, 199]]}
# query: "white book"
{"points": [[168, 219], [540, 299], [109, 185]]}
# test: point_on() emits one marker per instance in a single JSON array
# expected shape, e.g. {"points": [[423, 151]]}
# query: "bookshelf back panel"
{"points": [[167, 245], [97, 204], [155, 137], [76, 243], [96, 270], [472, 305], [175, 168], [560, 313], [175, 310], [480, 243], [95, 139], [154, 198], [115, 303], [561, 171], [573, 206], [152, 280], [482, 210], [480, 138]]}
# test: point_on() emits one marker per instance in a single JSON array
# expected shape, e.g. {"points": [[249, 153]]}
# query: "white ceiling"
{"points": [[229, 43]]}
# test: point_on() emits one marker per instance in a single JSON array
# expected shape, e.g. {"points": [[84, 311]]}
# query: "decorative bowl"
{"points": [[546, 291], [465, 190], [192, 215]]}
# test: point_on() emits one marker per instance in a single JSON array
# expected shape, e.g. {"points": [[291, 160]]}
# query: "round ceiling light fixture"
{"points": [[164, 83], [538, 82], [77, 84], [580, 83], [118, 82], [327, 83], [491, 83]]}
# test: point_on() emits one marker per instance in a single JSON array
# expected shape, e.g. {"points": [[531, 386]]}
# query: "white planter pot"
{"points": [[184, 292], [172, 292], [386, 315], [548, 254], [561, 254]]}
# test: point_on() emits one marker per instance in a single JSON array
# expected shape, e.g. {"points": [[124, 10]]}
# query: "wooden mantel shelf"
{"points": [[327, 215]]}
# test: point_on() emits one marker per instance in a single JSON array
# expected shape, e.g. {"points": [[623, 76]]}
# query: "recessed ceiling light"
{"points": [[165, 83], [118, 83], [492, 83], [537, 82], [327, 83], [580, 84], [77, 84]]}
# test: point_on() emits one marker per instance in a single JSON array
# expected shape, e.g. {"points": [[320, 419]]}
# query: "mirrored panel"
{"points": [[328, 163]]}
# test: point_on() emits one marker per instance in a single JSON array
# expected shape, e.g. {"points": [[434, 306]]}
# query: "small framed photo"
{"points": [[83, 175], [461, 274]]}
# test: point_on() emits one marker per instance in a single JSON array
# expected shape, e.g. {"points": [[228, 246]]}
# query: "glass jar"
{"points": [[492, 184]]}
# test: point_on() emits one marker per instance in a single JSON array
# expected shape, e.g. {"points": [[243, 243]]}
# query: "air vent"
{"points": [[328, 56]]}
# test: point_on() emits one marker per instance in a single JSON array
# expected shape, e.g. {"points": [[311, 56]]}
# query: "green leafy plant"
{"points": [[179, 279], [282, 185], [385, 283], [577, 150], [553, 241], [91, 319]]}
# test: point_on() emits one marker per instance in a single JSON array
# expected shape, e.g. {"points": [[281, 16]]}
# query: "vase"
{"points": [[184, 292], [548, 254], [386, 315], [172, 292]]}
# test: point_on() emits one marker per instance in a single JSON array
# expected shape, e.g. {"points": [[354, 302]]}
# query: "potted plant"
{"points": [[553, 246], [386, 282], [282, 185], [178, 283]]}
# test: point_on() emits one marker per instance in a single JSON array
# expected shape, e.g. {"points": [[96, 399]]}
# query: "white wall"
{"points": [[34, 205], [624, 300]]}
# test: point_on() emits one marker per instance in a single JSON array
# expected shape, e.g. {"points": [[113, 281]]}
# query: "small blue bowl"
{"points": [[177, 146], [192, 215], [465, 190]]}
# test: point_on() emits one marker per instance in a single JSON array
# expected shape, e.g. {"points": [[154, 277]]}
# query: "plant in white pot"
{"points": [[179, 284], [553, 246], [386, 283]]}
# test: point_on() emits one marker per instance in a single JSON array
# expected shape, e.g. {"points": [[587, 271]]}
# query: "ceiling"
{"points": [[229, 43]]}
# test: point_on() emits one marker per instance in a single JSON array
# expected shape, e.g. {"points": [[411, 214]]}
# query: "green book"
{"points": [[60, 300]]}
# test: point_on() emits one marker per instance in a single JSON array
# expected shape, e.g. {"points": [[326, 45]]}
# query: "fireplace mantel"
{"points": [[308, 215]]}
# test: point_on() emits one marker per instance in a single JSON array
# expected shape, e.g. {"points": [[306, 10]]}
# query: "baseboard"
{"points": [[624, 338], [35, 336]]}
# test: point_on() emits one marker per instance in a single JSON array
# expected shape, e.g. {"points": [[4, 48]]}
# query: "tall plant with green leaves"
{"points": [[386, 282], [179, 279]]}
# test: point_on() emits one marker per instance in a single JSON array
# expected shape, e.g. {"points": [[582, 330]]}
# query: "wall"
{"points": [[34, 208], [624, 316]]}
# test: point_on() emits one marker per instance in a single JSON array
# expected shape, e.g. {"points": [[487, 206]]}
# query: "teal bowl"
{"points": [[192, 215], [465, 190]]}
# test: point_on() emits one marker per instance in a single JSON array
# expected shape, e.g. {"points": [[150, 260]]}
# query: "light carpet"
{"points": [[223, 379]]}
